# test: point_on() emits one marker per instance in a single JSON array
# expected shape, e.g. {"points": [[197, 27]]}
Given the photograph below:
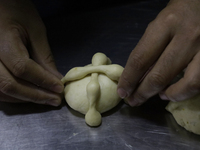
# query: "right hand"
{"points": [[170, 44], [27, 70]]}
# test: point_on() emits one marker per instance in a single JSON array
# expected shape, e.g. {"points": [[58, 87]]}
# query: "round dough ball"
{"points": [[76, 94], [187, 113], [93, 118]]}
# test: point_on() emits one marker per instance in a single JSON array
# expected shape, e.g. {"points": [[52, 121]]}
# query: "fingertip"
{"points": [[126, 84], [132, 102], [58, 88]]}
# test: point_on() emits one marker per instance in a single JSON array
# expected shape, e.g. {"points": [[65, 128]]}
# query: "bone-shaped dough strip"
{"points": [[93, 117], [112, 71]]}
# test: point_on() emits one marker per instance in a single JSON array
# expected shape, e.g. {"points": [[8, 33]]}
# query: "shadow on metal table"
{"points": [[74, 37]]}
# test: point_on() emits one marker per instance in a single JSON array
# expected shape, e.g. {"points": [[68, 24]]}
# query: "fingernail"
{"points": [[122, 93], [163, 96], [53, 102]]}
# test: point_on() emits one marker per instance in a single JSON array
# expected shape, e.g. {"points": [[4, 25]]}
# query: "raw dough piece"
{"points": [[187, 113], [92, 89]]}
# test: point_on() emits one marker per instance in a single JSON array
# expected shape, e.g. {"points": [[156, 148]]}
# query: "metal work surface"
{"points": [[74, 38]]}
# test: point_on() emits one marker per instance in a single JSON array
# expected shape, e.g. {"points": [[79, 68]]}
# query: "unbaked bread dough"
{"points": [[92, 89], [187, 113]]}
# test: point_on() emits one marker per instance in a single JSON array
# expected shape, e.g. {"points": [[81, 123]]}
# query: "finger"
{"points": [[165, 69], [186, 87], [41, 53], [24, 91], [21, 66], [148, 50], [6, 98]]}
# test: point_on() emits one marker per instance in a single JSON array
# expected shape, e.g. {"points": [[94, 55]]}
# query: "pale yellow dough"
{"points": [[92, 89], [187, 113], [76, 95]]}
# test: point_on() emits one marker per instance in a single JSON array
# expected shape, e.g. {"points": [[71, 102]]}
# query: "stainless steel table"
{"points": [[74, 37]]}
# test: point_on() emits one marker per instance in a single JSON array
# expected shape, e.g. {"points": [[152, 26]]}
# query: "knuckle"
{"points": [[140, 98], [157, 80], [6, 86], [193, 33], [166, 21], [194, 85], [15, 30], [171, 18], [168, 59], [19, 68], [49, 59], [136, 62]]}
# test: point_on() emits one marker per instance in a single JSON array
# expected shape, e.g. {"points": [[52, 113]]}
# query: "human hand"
{"points": [[27, 69], [170, 43]]}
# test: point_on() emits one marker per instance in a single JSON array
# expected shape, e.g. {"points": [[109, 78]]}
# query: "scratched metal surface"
{"points": [[74, 38]]}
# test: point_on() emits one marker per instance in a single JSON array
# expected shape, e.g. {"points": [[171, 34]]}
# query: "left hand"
{"points": [[27, 69]]}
